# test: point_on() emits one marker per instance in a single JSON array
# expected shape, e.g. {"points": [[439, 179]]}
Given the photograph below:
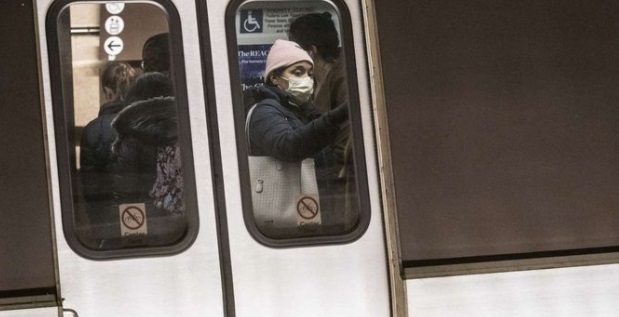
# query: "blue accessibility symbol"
{"points": [[251, 21]]}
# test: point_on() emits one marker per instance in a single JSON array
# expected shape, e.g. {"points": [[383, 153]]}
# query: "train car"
{"points": [[477, 175]]}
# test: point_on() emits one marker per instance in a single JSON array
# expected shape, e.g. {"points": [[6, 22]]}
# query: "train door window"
{"points": [[297, 119], [122, 134]]}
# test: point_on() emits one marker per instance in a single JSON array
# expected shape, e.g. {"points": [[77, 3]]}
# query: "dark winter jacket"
{"points": [[96, 161], [288, 132], [142, 127]]}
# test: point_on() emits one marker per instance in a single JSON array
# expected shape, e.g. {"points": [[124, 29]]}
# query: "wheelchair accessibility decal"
{"points": [[251, 21]]}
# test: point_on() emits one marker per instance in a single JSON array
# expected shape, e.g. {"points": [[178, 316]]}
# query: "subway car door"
{"points": [[129, 158], [323, 253]]}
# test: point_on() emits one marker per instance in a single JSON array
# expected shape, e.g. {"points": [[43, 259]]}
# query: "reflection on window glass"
{"points": [[122, 125], [296, 102]]}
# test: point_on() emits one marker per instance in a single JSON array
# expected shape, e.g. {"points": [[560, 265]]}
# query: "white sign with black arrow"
{"points": [[113, 45]]}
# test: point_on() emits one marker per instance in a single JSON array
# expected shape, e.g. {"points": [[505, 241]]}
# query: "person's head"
{"points": [[290, 68], [156, 53], [117, 78], [150, 85], [316, 33]]}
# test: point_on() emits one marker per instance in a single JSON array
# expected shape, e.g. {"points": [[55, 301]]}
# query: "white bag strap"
{"points": [[251, 110], [248, 119]]}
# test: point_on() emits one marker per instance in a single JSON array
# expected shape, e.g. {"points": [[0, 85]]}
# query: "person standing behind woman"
{"points": [[316, 33], [284, 124], [95, 146], [156, 54]]}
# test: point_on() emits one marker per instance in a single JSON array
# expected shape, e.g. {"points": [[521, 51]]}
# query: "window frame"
{"points": [[65, 140], [362, 199]]}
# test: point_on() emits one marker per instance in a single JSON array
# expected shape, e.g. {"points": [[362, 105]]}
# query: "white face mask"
{"points": [[301, 89]]}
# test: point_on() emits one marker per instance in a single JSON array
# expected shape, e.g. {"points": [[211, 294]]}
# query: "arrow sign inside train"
{"points": [[113, 45]]}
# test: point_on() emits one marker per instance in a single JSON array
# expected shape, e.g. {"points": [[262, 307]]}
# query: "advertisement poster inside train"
{"points": [[252, 61]]}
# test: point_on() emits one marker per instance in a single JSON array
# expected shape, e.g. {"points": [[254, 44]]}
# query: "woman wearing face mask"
{"points": [[284, 123]]}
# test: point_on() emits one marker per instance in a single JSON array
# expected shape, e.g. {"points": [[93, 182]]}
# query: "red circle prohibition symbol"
{"points": [[307, 205], [139, 220]]}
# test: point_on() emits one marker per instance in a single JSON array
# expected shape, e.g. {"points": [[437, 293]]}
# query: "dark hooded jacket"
{"points": [[96, 162], [142, 127], [283, 130]]}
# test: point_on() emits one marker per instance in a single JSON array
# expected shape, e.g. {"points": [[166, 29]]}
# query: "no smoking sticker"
{"points": [[308, 210], [132, 219]]}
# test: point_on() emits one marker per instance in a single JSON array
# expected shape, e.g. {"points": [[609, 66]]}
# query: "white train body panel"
{"points": [[310, 281], [186, 284], [571, 292]]}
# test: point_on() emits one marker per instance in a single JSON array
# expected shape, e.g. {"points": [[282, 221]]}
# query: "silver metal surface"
{"points": [[336, 280], [187, 284]]}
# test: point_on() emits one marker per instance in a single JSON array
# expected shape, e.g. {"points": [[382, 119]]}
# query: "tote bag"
{"points": [[284, 194]]}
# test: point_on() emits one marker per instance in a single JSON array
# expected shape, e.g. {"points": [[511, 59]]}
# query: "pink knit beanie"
{"points": [[284, 53]]}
